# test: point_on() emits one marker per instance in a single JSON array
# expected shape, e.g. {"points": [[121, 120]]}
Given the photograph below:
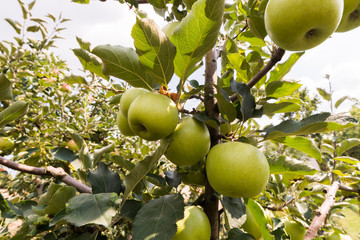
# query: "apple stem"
{"points": [[211, 203]]}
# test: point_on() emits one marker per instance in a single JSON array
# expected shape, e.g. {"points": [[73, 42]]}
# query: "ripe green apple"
{"points": [[123, 125], [72, 145], [194, 178], [190, 142], [128, 97], [295, 230], [250, 225], [237, 169], [152, 116], [6, 143], [302, 24], [194, 225], [351, 16]]}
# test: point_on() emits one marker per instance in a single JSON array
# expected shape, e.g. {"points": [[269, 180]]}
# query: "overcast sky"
{"points": [[110, 23]]}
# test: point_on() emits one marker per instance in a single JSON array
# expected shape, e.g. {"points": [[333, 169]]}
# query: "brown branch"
{"points": [[57, 173], [322, 212], [276, 56], [349, 189], [211, 203]]}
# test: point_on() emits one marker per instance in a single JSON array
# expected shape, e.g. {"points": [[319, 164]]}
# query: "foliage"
{"points": [[55, 118]]}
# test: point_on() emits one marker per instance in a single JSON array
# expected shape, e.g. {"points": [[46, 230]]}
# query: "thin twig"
{"points": [[322, 212], [57, 173]]}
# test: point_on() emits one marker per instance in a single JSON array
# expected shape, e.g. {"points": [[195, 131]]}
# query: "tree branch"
{"points": [[322, 212], [211, 203], [57, 173], [276, 56]]}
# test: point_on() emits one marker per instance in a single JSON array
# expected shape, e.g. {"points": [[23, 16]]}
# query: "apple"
{"points": [[123, 124], [152, 116], [190, 142], [250, 225], [194, 225], [128, 97], [237, 169], [295, 230], [350, 17], [194, 178], [6, 143], [302, 24]]}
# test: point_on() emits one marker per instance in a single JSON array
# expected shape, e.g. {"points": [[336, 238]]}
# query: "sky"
{"points": [[111, 22]]}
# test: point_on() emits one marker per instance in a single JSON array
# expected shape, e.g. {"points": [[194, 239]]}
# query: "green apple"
{"points": [[123, 124], [72, 145], [237, 169], [250, 225], [302, 24], [194, 225], [351, 16], [190, 142], [194, 178], [6, 143], [152, 116], [128, 97], [295, 230]]}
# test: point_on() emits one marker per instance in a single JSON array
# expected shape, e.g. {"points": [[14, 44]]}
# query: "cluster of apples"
{"points": [[230, 166], [302, 24]]}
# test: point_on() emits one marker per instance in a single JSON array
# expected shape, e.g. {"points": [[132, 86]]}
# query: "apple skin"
{"points": [[302, 24], [194, 225], [152, 116], [295, 230], [6, 143], [237, 169], [250, 225], [128, 97], [72, 145], [351, 16], [196, 178], [190, 142], [123, 125]]}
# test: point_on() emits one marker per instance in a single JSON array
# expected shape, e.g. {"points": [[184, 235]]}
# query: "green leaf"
{"points": [[280, 107], [123, 63], [235, 210], [157, 218], [259, 216], [248, 100], [74, 79], [349, 160], [59, 199], [88, 208], [237, 234], [158, 3], [226, 108], [64, 154], [346, 145], [84, 155], [324, 94], [142, 168], [5, 209], [341, 100], [83, 44], [46, 197], [302, 144], [318, 123], [277, 89], [155, 50], [14, 111], [14, 24], [130, 209], [282, 69], [89, 62], [5, 88], [98, 153], [282, 165], [81, 1], [103, 180], [196, 35]]}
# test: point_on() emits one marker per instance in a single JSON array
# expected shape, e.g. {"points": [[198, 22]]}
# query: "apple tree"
{"points": [[193, 133]]}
